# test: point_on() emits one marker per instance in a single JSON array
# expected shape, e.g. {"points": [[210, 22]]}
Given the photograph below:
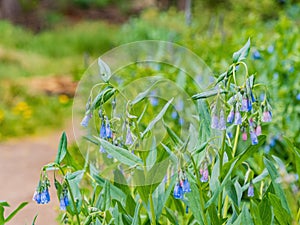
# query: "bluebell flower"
{"points": [[102, 150], [180, 105], [85, 121], [63, 202], [250, 190], [45, 196], [180, 121], [129, 139], [174, 114], [237, 118], [108, 130], [258, 130], [204, 175], [271, 49], [186, 186], [214, 122], [102, 130], [256, 55], [230, 135], [109, 156], [230, 116], [244, 105], [252, 97], [37, 197], [253, 137], [267, 116], [178, 192], [298, 97], [244, 136], [222, 121]]}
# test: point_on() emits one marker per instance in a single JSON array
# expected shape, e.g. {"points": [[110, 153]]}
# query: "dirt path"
{"points": [[20, 164]]}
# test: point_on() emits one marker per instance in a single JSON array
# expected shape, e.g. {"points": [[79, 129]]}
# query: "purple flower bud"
{"points": [[244, 107], [186, 186], [204, 175], [230, 117], [178, 192], [253, 137], [103, 130], [222, 123], [129, 139], [244, 136], [214, 121], [267, 116], [85, 120], [250, 190], [258, 130], [237, 118]]}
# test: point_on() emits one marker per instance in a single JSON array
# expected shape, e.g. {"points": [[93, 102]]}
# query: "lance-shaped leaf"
{"points": [[102, 97], [208, 93], [62, 148], [104, 70], [121, 154], [242, 53], [157, 118], [10, 216], [141, 96]]}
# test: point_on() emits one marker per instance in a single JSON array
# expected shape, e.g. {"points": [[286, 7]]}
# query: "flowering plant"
{"points": [[205, 176]]}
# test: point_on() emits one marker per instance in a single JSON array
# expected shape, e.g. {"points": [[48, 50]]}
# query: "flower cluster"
{"points": [[64, 200], [41, 195], [245, 111], [182, 186]]}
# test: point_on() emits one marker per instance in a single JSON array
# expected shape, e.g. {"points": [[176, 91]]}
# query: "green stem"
{"points": [[200, 191], [225, 206], [71, 194], [220, 171], [236, 139], [153, 219]]}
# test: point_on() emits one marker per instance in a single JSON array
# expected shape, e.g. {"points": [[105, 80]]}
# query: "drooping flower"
{"points": [[222, 123], [86, 119], [267, 116], [244, 136], [204, 175], [218, 116], [63, 202], [178, 191], [129, 139], [109, 156], [256, 55], [186, 186], [253, 137], [45, 196], [108, 130], [102, 130], [102, 149], [37, 197], [237, 118], [244, 105], [258, 130], [230, 116], [250, 190], [174, 114]]}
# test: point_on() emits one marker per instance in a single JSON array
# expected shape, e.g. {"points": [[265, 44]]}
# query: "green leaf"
{"points": [[21, 206], [265, 211], [278, 190], [246, 217], [205, 119], [280, 213], [177, 141], [254, 210], [157, 118], [141, 96], [4, 204], [74, 180], [1, 215], [207, 94], [152, 156], [135, 220], [104, 70], [172, 156], [230, 188], [213, 214], [102, 97], [117, 216], [121, 154], [242, 53], [62, 148], [106, 195], [194, 201], [171, 216]]}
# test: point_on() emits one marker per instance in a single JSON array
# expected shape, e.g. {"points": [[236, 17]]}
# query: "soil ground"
{"points": [[20, 164]]}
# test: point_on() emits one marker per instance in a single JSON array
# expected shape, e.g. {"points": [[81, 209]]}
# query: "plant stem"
{"points": [[71, 195], [153, 219], [225, 206], [237, 133], [220, 171], [200, 191]]}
